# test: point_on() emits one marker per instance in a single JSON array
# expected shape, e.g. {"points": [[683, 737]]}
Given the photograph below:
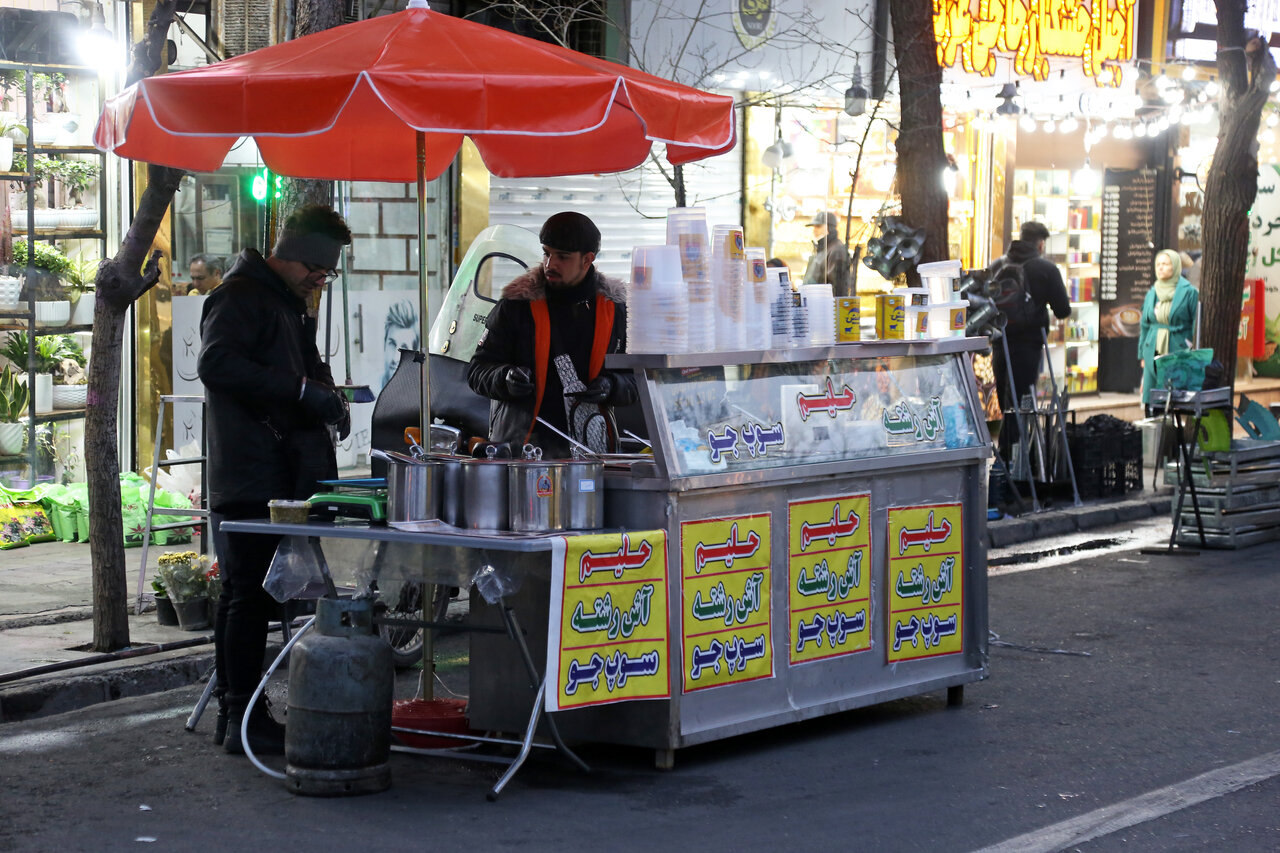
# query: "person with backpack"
{"points": [[1028, 283]]}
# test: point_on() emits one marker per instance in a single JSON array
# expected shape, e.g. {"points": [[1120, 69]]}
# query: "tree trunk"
{"points": [[1246, 70], [120, 281], [921, 156]]}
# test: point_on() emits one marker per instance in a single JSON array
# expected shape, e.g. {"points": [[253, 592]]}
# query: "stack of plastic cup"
{"points": [[781, 300], [758, 330], [657, 301], [728, 276], [820, 308], [687, 230]]}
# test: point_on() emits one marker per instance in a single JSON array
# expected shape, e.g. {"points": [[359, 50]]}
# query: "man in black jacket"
{"points": [[564, 307], [829, 263], [270, 406], [1044, 285]]}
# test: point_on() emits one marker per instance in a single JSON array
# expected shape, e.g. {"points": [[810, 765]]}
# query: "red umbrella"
{"points": [[349, 103]]}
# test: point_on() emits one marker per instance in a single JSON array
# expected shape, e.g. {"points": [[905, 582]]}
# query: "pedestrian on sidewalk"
{"points": [[271, 404]]}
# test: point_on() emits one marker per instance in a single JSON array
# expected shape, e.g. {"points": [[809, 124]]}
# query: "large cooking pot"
{"points": [[413, 488], [535, 495], [583, 495], [451, 491], [484, 494]]}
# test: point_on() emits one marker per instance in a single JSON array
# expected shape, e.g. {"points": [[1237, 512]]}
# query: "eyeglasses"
{"points": [[330, 275]]}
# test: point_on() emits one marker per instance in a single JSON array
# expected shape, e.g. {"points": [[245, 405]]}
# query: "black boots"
{"points": [[266, 736]]}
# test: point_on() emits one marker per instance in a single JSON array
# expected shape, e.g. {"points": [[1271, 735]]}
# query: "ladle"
{"points": [[575, 443]]}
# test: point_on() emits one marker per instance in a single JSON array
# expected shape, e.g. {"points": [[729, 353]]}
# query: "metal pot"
{"points": [[451, 508], [535, 495], [413, 490], [583, 495], [484, 494]]}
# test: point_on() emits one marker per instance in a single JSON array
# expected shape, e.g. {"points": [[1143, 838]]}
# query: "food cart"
{"points": [[808, 537]]}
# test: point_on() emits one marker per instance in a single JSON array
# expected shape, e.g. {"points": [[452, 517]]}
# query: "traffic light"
{"points": [[265, 185]]}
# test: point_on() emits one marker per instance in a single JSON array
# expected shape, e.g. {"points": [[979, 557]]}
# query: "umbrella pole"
{"points": [[426, 683]]}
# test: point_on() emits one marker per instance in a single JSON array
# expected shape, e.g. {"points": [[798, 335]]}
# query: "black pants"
{"points": [[245, 608]]}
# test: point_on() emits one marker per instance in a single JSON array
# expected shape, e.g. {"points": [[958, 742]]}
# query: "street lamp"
{"points": [[855, 97]]}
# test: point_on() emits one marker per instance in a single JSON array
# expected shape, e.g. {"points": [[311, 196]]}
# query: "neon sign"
{"points": [[1097, 31]]}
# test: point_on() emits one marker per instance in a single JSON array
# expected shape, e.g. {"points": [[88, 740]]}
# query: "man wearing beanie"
{"points": [[270, 406], [563, 308]]}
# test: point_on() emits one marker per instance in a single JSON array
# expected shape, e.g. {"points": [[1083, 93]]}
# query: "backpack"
{"points": [[1009, 292]]}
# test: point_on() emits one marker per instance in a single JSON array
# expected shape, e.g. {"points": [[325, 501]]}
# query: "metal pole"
{"points": [[1057, 410], [426, 686], [1022, 427]]}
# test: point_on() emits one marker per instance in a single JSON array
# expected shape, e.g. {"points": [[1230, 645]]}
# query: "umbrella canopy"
{"points": [[347, 104]]}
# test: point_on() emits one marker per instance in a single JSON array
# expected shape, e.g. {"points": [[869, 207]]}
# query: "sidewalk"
{"points": [[46, 614]]}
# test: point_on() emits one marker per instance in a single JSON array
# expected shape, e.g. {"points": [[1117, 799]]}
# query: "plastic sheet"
{"points": [[363, 565]]}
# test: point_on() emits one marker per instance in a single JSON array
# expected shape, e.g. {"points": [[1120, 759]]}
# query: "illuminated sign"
{"points": [[1097, 31]]}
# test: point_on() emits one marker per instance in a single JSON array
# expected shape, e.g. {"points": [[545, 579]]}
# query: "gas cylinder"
{"points": [[341, 680]]}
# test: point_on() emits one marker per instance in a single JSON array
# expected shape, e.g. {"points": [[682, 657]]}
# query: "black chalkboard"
{"points": [[1129, 229]]}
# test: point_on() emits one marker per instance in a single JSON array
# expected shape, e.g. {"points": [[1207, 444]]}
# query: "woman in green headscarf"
{"points": [[1168, 317]]}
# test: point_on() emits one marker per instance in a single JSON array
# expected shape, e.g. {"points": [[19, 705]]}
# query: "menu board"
{"points": [[1128, 249]]}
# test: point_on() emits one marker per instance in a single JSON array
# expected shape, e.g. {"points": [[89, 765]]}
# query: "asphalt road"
{"points": [[1131, 706]]}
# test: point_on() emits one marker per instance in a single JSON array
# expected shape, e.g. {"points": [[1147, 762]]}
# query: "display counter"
{"points": [[808, 537]]}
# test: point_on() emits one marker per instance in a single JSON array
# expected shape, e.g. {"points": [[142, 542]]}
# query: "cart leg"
{"points": [[525, 745], [204, 701], [539, 681], [955, 696], [664, 759]]}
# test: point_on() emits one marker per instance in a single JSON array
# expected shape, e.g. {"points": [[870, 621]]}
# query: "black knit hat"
{"points": [[570, 231]]}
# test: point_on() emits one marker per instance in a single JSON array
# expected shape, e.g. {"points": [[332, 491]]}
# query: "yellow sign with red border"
{"points": [[725, 584], [926, 582], [610, 636], [828, 577]]}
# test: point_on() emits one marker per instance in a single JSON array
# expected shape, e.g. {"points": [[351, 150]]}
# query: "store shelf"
{"points": [[59, 415]]}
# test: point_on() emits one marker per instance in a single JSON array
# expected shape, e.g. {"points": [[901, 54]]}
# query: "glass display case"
{"points": [[1069, 204]]}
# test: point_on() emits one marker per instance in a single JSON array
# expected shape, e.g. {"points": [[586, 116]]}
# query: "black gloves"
{"points": [[600, 390], [518, 382], [326, 404]]}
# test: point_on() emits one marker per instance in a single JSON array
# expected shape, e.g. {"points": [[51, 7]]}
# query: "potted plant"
{"points": [[183, 575], [10, 131], [81, 289], [165, 614], [48, 354], [14, 398], [53, 308]]}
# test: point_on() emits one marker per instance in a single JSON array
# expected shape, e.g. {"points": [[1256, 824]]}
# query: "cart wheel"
{"points": [[406, 643], [664, 759], [955, 696]]}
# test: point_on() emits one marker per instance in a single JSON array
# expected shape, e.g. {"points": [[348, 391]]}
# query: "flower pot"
{"points": [[53, 313], [193, 614], [82, 313], [6, 154], [43, 393], [166, 614], [13, 437], [70, 396], [10, 292]]}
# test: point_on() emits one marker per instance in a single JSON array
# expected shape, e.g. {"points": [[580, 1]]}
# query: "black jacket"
{"points": [[829, 264], [256, 345], [509, 340], [1044, 283]]}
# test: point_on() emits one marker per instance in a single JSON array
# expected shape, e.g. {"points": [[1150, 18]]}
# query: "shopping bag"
{"points": [[1183, 370]]}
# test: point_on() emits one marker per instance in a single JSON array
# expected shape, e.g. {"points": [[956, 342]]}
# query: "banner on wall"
{"points": [[609, 629], [1264, 263]]}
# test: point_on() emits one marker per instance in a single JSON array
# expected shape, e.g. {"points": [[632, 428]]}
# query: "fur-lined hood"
{"points": [[533, 285]]}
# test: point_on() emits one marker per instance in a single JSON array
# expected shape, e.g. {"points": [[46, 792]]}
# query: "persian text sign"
{"points": [[609, 615], [926, 582], [828, 577], [726, 623], [972, 31]]}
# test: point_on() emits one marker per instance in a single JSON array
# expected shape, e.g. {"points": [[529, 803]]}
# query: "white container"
{"points": [[943, 269], [43, 393], [53, 313], [82, 313], [10, 290], [947, 319], [70, 396]]}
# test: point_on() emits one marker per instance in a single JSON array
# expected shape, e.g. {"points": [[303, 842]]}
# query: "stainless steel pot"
{"points": [[451, 491], [413, 490], [484, 494], [583, 495], [535, 495]]}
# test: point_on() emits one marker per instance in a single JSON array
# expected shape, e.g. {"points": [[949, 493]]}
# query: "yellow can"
{"points": [[848, 318], [890, 316]]}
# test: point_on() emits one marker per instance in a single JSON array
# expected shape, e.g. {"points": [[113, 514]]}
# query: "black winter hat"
{"points": [[570, 231]]}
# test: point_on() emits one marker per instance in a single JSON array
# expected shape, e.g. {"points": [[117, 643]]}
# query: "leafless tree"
{"points": [[133, 271], [1246, 71]]}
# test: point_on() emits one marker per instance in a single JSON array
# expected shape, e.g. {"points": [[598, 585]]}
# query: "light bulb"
{"points": [[1027, 123], [1050, 125], [1189, 72], [1068, 125]]}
